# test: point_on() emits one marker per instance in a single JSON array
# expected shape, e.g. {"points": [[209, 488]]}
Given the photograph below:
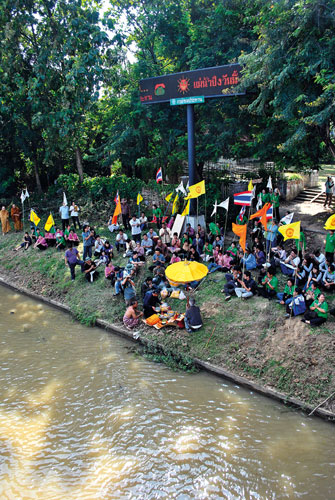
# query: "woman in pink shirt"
{"points": [[175, 258], [73, 237], [41, 243], [226, 262]]}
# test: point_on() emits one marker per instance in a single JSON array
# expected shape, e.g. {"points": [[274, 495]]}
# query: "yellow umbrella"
{"points": [[185, 272]]}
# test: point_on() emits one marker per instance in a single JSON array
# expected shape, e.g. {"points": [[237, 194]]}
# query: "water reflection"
{"points": [[82, 418]]}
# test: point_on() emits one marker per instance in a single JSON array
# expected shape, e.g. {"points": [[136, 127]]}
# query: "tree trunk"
{"points": [[37, 178], [79, 163]]}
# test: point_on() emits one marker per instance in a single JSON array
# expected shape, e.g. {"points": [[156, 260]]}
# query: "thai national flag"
{"points": [[241, 214], [159, 176], [269, 213], [244, 198], [116, 199]]}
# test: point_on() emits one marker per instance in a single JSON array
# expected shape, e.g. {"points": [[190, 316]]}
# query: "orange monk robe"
{"points": [[4, 217], [16, 218]]}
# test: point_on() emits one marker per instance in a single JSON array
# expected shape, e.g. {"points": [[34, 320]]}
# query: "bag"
{"points": [[182, 296], [175, 294]]}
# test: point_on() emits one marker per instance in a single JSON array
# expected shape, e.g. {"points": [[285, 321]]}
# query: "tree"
{"points": [[291, 70]]}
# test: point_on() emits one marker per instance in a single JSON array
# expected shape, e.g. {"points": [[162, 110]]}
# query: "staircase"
{"points": [[311, 195]]}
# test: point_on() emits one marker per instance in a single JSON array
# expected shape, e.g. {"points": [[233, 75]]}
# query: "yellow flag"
{"points": [[168, 197], [175, 204], [196, 190], [34, 218], [250, 186], [186, 209], [139, 198], [290, 231], [330, 223], [49, 223]]}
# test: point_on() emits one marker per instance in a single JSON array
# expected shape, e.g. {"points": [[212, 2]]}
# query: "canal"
{"points": [[81, 417]]}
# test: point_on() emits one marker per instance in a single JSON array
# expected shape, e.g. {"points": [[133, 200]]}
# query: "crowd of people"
{"points": [[310, 274]]}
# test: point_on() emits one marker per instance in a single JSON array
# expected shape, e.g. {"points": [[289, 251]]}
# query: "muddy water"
{"points": [[82, 418]]}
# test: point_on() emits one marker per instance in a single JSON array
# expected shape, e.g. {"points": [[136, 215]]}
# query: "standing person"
{"points": [[72, 259], [4, 217], [271, 235], [132, 315], [192, 320], [64, 213], [74, 212], [88, 242], [157, 215], [135, 225], [165, 234], [275, 200], [16, 218], [125, 211], [330, 246], [329, 185]]}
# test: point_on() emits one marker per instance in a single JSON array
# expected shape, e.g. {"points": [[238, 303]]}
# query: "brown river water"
{"points": [[81, 417]]}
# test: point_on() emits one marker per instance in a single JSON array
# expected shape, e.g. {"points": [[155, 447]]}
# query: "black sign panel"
{"points": [[219, 81]]}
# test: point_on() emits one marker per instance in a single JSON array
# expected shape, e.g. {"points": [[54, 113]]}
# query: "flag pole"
{"points": [[246, 234], [197, 211], [225, 229]]}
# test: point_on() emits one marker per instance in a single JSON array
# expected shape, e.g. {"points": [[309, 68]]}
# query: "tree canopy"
{"points": [[70, 72]]}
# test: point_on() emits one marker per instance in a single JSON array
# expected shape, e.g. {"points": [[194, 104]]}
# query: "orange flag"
{"points": [[241, 231], [262, 214], [117, 211]]}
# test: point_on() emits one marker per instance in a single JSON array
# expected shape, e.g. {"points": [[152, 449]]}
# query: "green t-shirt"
{"points": [[301, 243], [232, 250], [265, 197], [214, 229], [324, 306], [289, 290], [330, 243], [66, 232], [275, 200], [157, 212], [273, 283], [241, 222], [316, 292], [208, 250]]}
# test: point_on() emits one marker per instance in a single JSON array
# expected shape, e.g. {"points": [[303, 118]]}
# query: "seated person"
{"points": [[232, 250], [249, 260], [111, 226], [218, 240], [218, 263], [315, 276], [67, 232], [285, 297], [260, 257], [278, 254], [192, 320], [150, 301], [73, 238], [152, 235], [290, 264], [189, 230], [110, 273], [256, 233], [132, 315], [98, 246], [35, 234], [184, 253], [317, 313], [318, 256], [41, 243], [269, 288], [175, 244], [258, 243], [147, 244], [27, 242], [157, 260], [60, 241], [89, 269], [186, 238], [103, 259], [232, 282], [201, 232], [130, 248], [175, 258], [143, 221], [140, 251], [146, 286], [162, 247], [108, 249], [297, 305], [136, 261], [193, 255], [129, 290], [311, 294], [207, 254], [121, 240], [50, 237], [247, 287], [198, 243], [328, 279]]}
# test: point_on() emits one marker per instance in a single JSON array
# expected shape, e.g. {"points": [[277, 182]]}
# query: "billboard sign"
{"points": [[219, 81]]}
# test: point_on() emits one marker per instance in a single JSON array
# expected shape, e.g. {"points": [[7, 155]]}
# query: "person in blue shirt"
{"points": [[65, 215], [271, 235], [158, 260], [88, 241], [249, 260]]}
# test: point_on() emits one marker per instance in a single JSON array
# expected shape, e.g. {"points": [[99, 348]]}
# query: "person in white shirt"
{"points": [[143, 221], [64, 213], [74, 212], [290, 264], [112, 227], [165, 234], [121, 240], [135, 225], [319, 257]]}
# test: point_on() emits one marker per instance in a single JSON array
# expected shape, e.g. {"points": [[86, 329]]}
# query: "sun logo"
{"points": [[289, 232], [198, 190], [183, 85]]}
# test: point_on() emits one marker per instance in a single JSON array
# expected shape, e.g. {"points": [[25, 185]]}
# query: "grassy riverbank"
{"points": [[250, 338]]}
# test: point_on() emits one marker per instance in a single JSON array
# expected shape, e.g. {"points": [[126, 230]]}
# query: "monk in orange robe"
{"points": [[16, 218], [4, 217]]}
